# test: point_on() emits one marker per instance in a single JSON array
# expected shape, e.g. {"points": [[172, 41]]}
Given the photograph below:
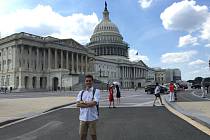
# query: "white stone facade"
{"points": [[32, 62]]}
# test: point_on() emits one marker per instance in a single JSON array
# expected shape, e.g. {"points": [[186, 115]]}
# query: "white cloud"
{"points": [[205, 32], [197, 62], [201, 72], [207, 45], [133, 57], [179, 57], [42, 20], [187, 40], [145, 3], [184, 16]]}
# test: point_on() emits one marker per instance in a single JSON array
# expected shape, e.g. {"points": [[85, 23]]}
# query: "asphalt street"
{"points": [[187, 96], [134, 119], [148, 123]]}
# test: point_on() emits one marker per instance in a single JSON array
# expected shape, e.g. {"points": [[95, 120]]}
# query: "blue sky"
{"points": [[166, 33]]}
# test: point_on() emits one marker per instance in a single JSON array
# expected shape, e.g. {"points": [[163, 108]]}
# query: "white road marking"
{"points": [[199, 96]]}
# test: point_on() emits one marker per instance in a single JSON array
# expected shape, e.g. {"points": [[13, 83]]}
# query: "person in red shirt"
{"points": [[111, 96], [171, 89]]}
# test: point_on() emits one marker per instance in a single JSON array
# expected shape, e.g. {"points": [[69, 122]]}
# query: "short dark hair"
{"points": [[89, 76]]}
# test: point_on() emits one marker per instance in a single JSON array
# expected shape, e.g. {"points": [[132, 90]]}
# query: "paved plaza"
{"points": [[134, 118]]}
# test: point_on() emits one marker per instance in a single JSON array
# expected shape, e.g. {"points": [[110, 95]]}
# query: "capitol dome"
{"points": [[106, 25], [106, 38]]}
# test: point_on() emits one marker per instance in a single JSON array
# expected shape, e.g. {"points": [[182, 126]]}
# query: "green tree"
{"points": [[198, 80], [190, 81]]}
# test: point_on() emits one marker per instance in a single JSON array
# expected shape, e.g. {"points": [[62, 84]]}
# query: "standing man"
{"points": [[203, 88], [87, 101], [171, 89]]}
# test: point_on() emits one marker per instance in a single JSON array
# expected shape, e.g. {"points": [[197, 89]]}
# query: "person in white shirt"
{"points": [[88, 101], [203, 89], [157, 94]]}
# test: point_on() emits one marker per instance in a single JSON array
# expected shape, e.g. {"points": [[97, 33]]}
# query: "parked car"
{"points": [[183, 86], [150, 89], [196, 86]]}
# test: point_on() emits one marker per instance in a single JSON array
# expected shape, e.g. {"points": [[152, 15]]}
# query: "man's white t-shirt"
{"points": [[90, 113]]}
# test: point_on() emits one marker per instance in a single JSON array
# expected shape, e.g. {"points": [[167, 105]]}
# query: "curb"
{"points": [[12, 121], [194, 123], [58, 107]]}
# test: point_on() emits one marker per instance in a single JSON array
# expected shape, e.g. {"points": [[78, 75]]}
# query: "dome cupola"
{"points": [[106, 36]]}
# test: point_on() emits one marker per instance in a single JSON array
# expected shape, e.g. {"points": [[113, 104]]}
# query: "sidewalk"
{"points": [[198, 111], [12, 109]]}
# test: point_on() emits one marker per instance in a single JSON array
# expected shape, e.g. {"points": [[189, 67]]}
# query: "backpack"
{"points": [[97, 105]]}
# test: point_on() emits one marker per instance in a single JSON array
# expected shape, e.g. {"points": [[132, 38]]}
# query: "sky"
{"points": [[165, 33]]}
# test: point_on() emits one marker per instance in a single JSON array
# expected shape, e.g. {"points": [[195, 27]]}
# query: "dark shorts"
{"points": [[157, 95]]}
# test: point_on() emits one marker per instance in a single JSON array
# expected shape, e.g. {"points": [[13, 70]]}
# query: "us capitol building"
{"points": [[31, 62]]}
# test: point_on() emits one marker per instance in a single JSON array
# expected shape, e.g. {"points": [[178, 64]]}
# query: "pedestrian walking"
{"points": [[171, 90], [111, 96], [157, 94], [88, 101], [203, 89], [135, 88]]}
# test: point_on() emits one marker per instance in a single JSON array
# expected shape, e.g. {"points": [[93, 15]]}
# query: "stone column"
{"points": [[17, 57], [44, 59], [126, 69], [72, 62], [86, 67], [136, 72], [2, 60], [62, 59], [13, 57], [67, 60], [49, 58], [49, 87], [37, 59], [129, 73], [21, 58], [56, 58], [38, 82], [124, 72], [141, 73], [30, 60], [77, 63], [21, 81], [30, 82], [7, 66], [82, 65]]}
